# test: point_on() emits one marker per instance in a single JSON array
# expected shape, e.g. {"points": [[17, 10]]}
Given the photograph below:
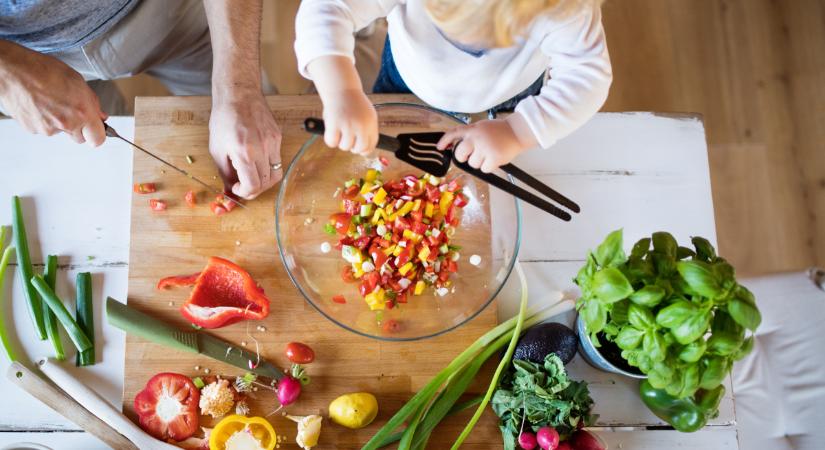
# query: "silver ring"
{"points": [[277, 167]]}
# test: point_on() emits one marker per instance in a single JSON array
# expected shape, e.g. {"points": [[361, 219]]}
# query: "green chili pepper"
{"points": [[686, 414]]}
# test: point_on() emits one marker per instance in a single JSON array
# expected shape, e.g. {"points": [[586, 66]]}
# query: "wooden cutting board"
{"points": [[179, 241]]}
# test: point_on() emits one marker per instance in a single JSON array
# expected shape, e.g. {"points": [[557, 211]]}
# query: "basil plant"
{"points": [[676, 313]]}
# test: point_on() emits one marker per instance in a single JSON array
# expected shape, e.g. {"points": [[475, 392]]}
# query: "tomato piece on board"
{"points": [[217, 208], [144, 188], [157, 205], [299, 353], [167, 407], [341, 221], [339, 299], [190, 198]]}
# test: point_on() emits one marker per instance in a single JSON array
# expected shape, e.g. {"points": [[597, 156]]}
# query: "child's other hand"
{"points": [[351, 122], [485, 145]]}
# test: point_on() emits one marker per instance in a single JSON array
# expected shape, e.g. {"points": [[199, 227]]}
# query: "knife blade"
{"points": [[111, 132], [147, 327]]}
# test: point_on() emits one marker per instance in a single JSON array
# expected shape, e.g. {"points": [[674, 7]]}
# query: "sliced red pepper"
{"points": [[339, 299], [157, 205], [362, 243], [190, 198], [224, 293], [167, 407], [144, 188], [179, 280]]}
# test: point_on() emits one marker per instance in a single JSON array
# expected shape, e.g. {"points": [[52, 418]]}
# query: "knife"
{"points": [[110, 132], [147, 327]]}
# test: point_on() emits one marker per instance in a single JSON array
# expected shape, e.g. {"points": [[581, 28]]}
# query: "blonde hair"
{"points": [[496, 23]]}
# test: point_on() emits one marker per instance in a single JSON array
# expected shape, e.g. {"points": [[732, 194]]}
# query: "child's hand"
{"points": [[485, 145], [351, 122]]}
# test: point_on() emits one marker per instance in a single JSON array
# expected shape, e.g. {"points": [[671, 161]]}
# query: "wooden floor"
{"points": [[754, 68]]}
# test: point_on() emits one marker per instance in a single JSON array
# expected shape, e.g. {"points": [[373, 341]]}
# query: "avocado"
{"points": [[545, 338]]}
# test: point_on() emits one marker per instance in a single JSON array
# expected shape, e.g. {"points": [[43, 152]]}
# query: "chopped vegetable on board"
{"points": [[309, 429], [217, 399], [78, 337], [167, 407], [239, 432], [50, 275], [84, 313], [4, 333], [224, 293], [157, 205], [144, 188], [191, 198]]}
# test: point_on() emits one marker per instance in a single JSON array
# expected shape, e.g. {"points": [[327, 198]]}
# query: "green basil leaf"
{"points": [[661, 374], [700, 278], [640, 270], [724, 272], [684, 252], [629, 338], [744, 349], [744, 313], [664, 243], [640, 317], [723, 344], [665, 265], [675, 314], [594, 315], [704, 251], [640, 249], [692, 352], [610, 285], [585, 275], [618, 313], [692, 329], [714, 371], [654, 345], [648, 296], [611, 330], [686, 382], [610, 252]]}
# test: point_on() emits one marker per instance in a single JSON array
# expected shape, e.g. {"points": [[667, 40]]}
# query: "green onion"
{"points": [[84, 313], [454, 248], [4, 262], [356, 220], [24, 268], [50, 275], [349, 183], [198, 382], [454, 410], [329, 229], [444, 248], [81, 342]]}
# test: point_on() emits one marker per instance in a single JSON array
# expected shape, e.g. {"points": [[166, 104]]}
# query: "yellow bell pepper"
{"points": [[378, 215], [388, 251], [375, 300], [417, 204], [397, 250], [405, 209], [371, 175], [366, 187], [405, 268], [238, 430], [357, 271], [419, 287], [424, 253], [428, 209], [446, 200], [380, 196]]}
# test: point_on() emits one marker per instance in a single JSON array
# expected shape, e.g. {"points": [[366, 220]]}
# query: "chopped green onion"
{"points": [[198, 382], [329, 229], [84, 313], [366, 210], [454, 248], [249, 377], [4, 262], [356, 220], [444, 248], [24, 268], [78, 337], [50, 275], [350, 182]]}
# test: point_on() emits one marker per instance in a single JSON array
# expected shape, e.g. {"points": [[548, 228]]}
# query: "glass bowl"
{"points": [[490, 227]]}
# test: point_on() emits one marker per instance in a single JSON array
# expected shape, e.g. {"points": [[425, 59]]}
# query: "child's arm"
{"points": [[324, 45], [580, 77]]}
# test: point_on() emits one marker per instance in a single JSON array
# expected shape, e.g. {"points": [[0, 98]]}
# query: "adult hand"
{"points": [[485, 145], [46, 96], [245, 143]]}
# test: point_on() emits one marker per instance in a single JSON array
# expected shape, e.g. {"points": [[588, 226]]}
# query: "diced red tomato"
{"points": [[452, 266], [453, 185], [362, 243], [433, 194], [224, 201], [346, 240], [403, 257], [391, 326], [351, 192], [450, 217], [390, 304], [347, 275], [419, 228], [402, 223], [460, 200], [157, 205], [217, 208], [384, 161], [401, 298], [190, 198], [352, 207], [341, 221], [339, 299], [377, 255], [144, 188]]}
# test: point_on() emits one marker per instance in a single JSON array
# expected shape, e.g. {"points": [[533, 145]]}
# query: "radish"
{"points": [[288, 390], [548, 438], [527, 440], [583, 440]]}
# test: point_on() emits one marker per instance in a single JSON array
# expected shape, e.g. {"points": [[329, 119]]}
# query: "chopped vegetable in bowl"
{"points": [[396, 236]]}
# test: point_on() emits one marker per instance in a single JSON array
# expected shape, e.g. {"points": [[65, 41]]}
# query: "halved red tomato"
{"points": [[190, 198], [167, 407], [341, 221], [157, 205], [144, 188]]}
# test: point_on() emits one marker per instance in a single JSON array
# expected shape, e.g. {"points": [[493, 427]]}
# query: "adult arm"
{"points": [[47, 97], [244, 139]]}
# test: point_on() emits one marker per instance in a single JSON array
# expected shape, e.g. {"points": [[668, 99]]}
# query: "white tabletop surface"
{"points": [[638, 171]]}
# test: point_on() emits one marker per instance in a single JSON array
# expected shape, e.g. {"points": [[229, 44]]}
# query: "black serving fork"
{"points": [[419, 150]]}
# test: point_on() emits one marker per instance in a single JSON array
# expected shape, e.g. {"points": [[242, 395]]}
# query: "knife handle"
{"points": [[149, 328]]}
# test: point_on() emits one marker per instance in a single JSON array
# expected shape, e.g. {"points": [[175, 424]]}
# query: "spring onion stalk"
{"points": [[4, 262], [454, 410], [490, 342], [85, 317], [24, 268], [50, 275], [505, 361], [78, 337]]}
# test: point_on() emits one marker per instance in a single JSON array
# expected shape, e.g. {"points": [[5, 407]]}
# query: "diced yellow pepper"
{"points": [[378, 215], [405, 209], [446, 200], [390, 208], [405, 268], [375, 300], [417, 204], [388, 251], [371, 175], [428, 209], [419, 287], [357, 272], [366, 187], [397, 251], [424, 253], [380, 196], [408, 234]]}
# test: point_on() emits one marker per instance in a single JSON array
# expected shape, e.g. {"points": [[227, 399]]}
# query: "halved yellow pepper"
{"points": [[375, 300], [256, 428], [446, 200]]}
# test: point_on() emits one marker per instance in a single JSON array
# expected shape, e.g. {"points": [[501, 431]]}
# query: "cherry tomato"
{"points": [[144, 188], [347, 275], [157, 205], [391, 326], [217, 208], [224, 201], [299, 353], [351, 192], [341, 222], [190, 198], [339, 299]]}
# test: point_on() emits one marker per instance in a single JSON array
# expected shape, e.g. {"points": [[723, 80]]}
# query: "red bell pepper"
{"points": [[167, 407], [224, 293]]}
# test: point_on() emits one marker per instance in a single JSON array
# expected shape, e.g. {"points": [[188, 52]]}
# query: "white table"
{"points": [[639, 171]]}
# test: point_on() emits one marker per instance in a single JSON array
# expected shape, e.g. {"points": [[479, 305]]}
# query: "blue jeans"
{"points": [[389, 81]]}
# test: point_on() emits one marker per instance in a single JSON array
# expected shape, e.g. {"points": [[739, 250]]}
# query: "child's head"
{"points": [[495, 23]]}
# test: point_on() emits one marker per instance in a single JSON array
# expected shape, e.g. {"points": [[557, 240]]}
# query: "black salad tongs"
{"points": [[419, 150]]}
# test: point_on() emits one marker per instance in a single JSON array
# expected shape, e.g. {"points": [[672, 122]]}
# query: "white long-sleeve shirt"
{"points": [[573, 50]]}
